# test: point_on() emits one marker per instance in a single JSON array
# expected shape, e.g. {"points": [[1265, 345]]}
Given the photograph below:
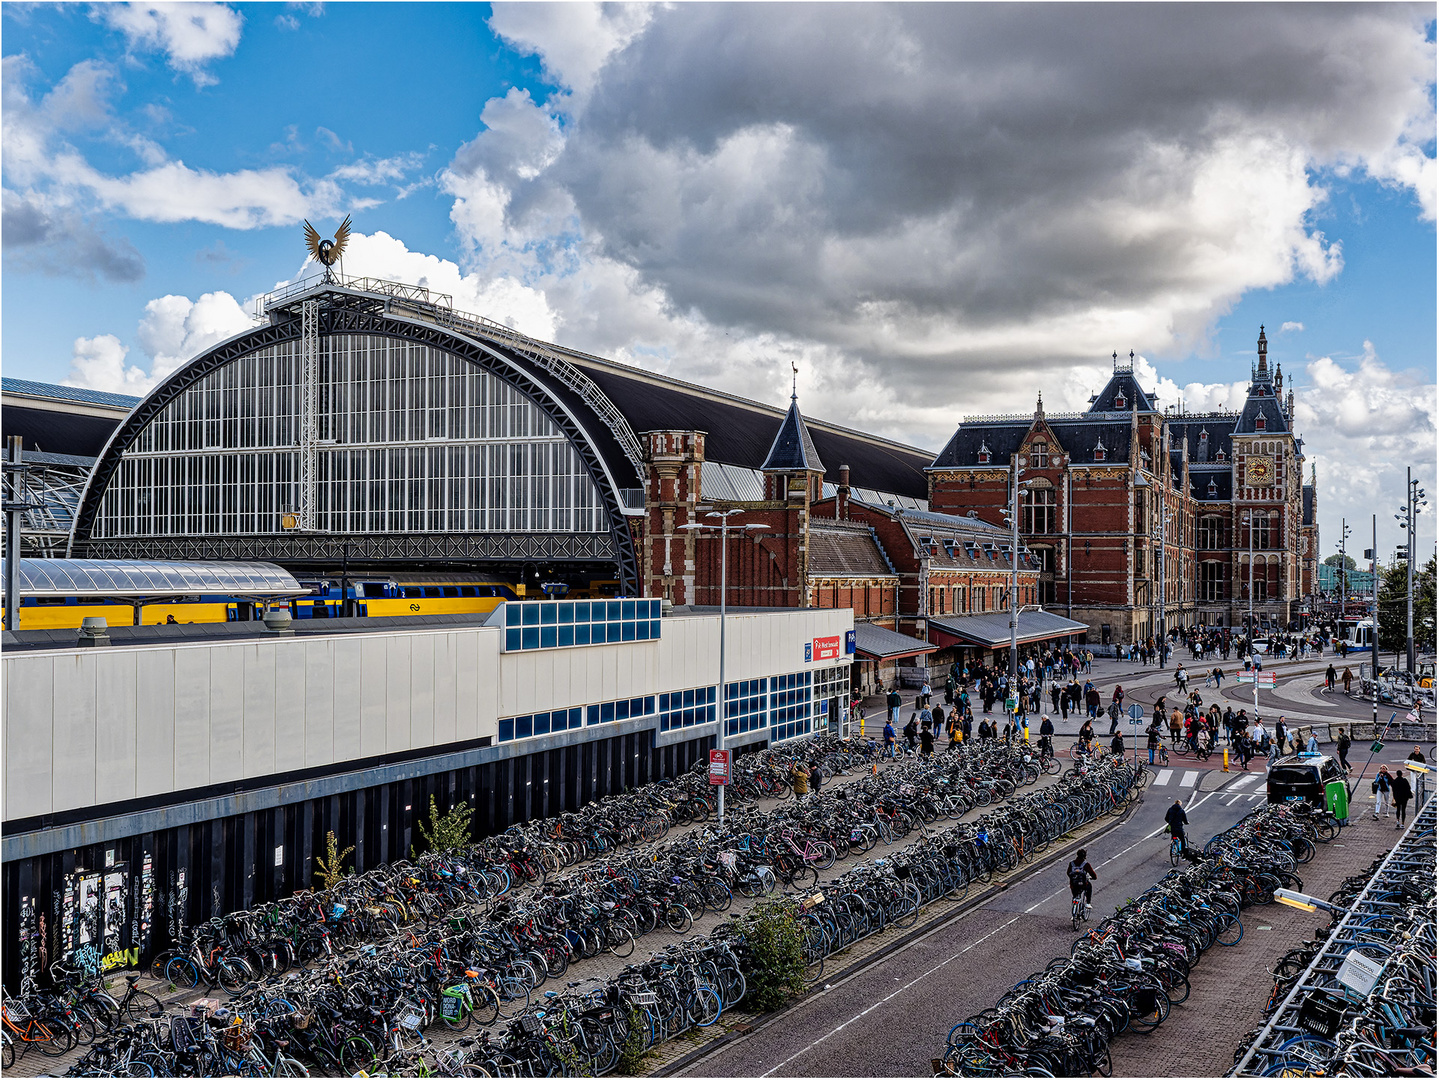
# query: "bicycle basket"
{"points": [[530, 1024], [901, 871], [300, 1021]]}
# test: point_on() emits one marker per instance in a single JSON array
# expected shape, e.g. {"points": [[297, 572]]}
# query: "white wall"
{"points": [[104, 725]]}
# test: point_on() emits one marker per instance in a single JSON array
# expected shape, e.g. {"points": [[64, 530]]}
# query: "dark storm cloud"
{"points": [[802, 170], [64, 244]]}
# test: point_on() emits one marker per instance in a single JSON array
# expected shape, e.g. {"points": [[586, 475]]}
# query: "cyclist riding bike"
{"points": [[1080, 875], [1177, 819], [1046, 731]]}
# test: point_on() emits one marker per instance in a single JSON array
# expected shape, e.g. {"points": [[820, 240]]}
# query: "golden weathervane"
{"points": [[327, 252]]}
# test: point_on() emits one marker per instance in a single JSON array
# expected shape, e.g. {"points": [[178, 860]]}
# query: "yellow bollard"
{"points": [[1226, 759], [1026, 732]]}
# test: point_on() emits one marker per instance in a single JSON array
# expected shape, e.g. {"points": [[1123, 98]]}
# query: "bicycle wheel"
{"points": [[619, 941], [826, 854], [233, 974], [703, 1006], [1174, 850], [134, 1068], [678, 918], [1231, 930], [7, 1058], [288, 1066], [460, 1021], [486, 1004], [141, 1005], [52, 1038], [356, 1053], [182, 973]]}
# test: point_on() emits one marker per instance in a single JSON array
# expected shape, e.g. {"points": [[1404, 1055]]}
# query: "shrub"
{"points": [[775, 968]]}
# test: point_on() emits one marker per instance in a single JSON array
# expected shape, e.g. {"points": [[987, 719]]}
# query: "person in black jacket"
{"points": [[1401, 791], [1177, 819], [1046, 734]]}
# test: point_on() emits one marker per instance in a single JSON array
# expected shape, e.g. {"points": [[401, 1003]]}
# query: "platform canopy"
{"points": [[134, 579], [876, 643], [991, 631]]}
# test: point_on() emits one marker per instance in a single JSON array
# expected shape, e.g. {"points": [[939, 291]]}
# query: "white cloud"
{"points": [[174, 330], [1289, 326], [191, 35], [98, 363], [372, 170], [574, 40]]}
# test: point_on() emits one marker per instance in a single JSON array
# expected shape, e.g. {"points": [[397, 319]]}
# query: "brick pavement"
{"points": [[1230, 986]]}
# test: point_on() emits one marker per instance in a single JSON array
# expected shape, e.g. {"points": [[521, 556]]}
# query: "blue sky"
{"points": [[934, 210]]}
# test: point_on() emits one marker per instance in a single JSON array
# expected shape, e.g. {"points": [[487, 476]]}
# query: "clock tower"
{"points": [[1267, 507]]}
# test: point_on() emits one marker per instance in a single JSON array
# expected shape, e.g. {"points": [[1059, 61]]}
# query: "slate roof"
{"points": [[1200, 477], [968, 537], [1218, 426], [1307, 517], [839, 551], [1108, 399], [738, 430], [1002, 438], [793, 449], [1262, 401]]}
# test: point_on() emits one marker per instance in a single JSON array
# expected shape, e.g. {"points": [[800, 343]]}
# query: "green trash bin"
{"points": [[1336, 799]]}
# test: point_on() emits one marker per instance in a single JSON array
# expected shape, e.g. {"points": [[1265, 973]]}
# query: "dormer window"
{"points": [[1213, 488], [1259, 423], [1100, 453], [1119, 401], [1204, 446], [983, 453]]}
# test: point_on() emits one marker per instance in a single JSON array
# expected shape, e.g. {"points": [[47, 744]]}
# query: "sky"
{"points": [[934, 210]]}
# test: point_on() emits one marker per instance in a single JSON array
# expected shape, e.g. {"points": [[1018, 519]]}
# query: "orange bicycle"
{"points": [[51, 1037]]}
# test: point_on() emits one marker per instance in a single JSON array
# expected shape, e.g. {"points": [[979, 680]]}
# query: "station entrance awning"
{"points": [[991, 631], [876, 643]]}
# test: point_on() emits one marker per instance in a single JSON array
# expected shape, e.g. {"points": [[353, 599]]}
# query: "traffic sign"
{"points": [[1136, 712], [719, 767], [1136, 722]]}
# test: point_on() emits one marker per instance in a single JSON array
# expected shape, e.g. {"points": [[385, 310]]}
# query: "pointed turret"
{"points": [[792, 454]]}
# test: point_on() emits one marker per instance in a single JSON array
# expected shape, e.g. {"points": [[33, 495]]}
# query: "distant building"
{"points": [[1105, 484]]}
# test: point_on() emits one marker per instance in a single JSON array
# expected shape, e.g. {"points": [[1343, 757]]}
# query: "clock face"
{"points": [[1259, 471]]}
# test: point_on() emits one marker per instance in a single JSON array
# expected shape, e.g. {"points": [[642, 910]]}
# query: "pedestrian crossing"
{"points": [[1189, 779]]}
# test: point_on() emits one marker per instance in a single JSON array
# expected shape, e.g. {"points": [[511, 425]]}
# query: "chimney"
{"points": [[841, 494]]}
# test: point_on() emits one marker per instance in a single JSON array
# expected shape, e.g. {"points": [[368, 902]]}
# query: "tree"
{"points": [[1337, 559], [1393, 629], [448, 833]]}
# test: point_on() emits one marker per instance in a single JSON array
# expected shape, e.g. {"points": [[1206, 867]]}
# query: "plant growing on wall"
{"points": [[332, 865], [448, 833]]}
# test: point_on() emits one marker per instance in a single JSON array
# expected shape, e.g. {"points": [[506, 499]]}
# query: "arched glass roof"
{"points": [[136, 578]]}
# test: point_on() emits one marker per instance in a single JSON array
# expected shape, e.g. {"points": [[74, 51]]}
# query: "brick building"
{"points": [[1129, 508], [822, 544]]}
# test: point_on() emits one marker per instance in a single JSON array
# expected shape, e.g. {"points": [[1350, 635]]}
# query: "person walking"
{"points": [[1380, 785], [1312, 746], [893, 702], [1401, 791], [889, 738], [799, 778], [1046, 737], [1341, 750], [1116, 744], [1347, 678], [911, 733], [926, 742], [1116, 709], [1329, 676], [1243, 748], [815, 778]]}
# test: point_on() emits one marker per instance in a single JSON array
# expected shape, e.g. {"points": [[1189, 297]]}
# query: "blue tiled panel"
{"points": [[686, 708], [524, 727], [552, 624]]}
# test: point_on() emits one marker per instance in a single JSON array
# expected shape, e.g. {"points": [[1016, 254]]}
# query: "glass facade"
{"points": [[560, 624], [687, 708], [781, 703], [410, 438], [547, 723]]}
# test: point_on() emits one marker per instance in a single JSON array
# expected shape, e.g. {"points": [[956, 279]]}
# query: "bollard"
{"points": [[1226, 759]]}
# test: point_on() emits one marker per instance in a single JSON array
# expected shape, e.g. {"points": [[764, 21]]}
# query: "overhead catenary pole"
{"points": [[1374, 614], [14, 511]]}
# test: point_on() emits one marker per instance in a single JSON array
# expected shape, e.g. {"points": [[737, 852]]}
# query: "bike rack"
{"points": [[1318, 975]]}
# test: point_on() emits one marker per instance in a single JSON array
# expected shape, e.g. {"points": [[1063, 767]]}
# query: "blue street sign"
{"points": [[1136, 713], [1136, 723]]}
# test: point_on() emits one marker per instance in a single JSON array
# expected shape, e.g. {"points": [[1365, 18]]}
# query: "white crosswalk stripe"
{"points": [[1163, 777], [1243, 781], [1189, 779]]}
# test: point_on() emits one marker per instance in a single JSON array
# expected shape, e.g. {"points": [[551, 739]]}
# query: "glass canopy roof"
{"points": [[138, 578]]}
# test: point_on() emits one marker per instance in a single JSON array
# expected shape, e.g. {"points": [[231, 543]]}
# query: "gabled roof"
{"points": [[792, 450], [1189, 429], [1262, 401], [1121, 394], [1077, 437]]}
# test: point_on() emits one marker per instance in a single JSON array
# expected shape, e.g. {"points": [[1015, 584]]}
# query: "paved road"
{"points": [[892, 1019]]}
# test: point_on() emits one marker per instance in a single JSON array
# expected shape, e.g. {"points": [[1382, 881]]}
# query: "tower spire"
{"points": [[1263, 353], [794, 381]]}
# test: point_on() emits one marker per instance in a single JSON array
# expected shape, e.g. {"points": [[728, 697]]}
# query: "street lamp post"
{"points": [[1414, 501], [1164, 516], [723, 526], [1344, 531]]}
